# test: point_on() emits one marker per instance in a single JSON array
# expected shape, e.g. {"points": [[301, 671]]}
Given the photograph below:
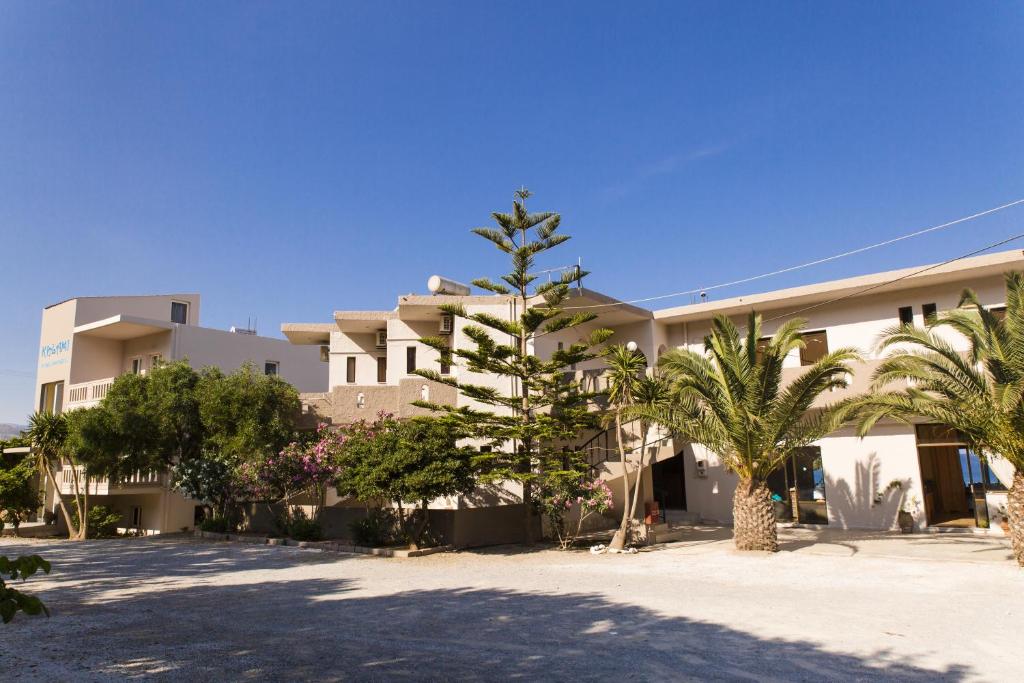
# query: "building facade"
{"points": [[843, 481], [87, 342]]}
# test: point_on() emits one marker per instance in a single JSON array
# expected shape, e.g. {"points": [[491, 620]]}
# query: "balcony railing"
{"points": [[101, 486], [87, 394]]}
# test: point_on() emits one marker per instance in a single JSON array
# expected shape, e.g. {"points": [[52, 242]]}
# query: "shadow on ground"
{"points": [[335, 628]]}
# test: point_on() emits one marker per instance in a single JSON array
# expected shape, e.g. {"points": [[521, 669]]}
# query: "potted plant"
{"points": [[905, 518], [1004, 519]]}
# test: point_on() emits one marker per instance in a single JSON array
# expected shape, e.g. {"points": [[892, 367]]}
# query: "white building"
{"points": [[86, 342], [843, 481]]}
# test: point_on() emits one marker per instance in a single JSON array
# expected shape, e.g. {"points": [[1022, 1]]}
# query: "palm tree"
{"points": [[979, 393], [731, 401], [48, 433], [650, 398], [626, 369]]}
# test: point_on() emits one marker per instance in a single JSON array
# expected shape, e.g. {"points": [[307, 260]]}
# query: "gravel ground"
{"points": [[177, 608]]}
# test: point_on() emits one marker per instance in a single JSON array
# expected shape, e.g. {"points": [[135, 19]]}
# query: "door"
{"points": [[798, 488], [668, 483], [954, 479]]}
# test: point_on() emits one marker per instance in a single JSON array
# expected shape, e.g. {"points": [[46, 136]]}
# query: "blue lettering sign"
{"points": [[50, 350]]}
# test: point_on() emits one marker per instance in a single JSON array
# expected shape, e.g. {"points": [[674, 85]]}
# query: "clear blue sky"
{"points": [[287, 160]]}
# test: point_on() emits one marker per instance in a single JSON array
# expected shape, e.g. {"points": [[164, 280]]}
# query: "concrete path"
{"points": [[174, 609]]}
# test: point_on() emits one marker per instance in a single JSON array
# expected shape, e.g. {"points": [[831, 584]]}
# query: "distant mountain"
{"points": [[8, 430]]}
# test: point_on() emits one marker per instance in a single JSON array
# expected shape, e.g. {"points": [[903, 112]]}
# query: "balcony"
{"points": [[87, 394], [134, 482]]}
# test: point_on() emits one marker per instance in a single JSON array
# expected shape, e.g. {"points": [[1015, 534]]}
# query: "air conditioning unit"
{"points": [[447, 324], [382, 339]]}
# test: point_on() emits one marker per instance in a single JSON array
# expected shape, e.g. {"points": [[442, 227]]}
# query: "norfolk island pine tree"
{"points": [[544, 405]]}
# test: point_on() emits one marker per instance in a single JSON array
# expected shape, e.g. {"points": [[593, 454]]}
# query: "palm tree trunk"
{"points": [[1015, 509], [621, 536], [753, 518], [72, 531], [639, 472]]}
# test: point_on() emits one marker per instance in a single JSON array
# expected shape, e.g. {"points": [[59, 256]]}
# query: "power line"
{"points": [[859, 250], [895, 280]]}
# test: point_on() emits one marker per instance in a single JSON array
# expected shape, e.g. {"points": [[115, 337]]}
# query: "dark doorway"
{"points": [[669, 484]]}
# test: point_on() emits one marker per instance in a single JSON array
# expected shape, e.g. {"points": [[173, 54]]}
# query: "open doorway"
{"points": [[667, 480], [954, 479]]}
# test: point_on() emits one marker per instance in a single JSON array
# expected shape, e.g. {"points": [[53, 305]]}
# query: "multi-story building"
{"points": [[843, 481], [86, 342]]}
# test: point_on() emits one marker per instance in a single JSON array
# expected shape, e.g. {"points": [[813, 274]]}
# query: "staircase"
{"points": [[602, 450]]}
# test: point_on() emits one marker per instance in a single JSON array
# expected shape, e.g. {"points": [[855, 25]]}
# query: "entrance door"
{"points": [[798, 488], [954, 479], [667, 481]]}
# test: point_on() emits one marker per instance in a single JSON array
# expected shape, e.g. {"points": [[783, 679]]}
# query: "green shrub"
{"points": [[218, 524], [378, 528], [303, 529], [103, 521]]}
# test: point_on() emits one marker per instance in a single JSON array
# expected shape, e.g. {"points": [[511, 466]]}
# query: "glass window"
{"points": [[350, 369], [136, 366], [938, 434], [271, 367], [906, 315], [382, 370], [410, 359], [815, 347], [179, 312], [801, 477], [929, 311]]}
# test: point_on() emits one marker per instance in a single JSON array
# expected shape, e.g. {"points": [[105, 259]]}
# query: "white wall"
{"points": [[299, 365]]}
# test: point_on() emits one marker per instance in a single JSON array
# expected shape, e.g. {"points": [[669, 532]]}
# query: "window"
{"points": [[410, 359], [382, 370], [446, 367], [179, 312], [999, 312], [798, 488], [350, 369], [154, 360], [929, 311], [815, 347], [271, 367], [51, 397], [136, 366], [906, 315]]}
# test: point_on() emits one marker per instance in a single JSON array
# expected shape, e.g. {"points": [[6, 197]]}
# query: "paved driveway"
{"points": [[178, 609]]}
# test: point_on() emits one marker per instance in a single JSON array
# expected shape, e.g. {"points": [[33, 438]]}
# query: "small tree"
{"points": [[558, 496], [539, 405], [626, 368], [301, 471], [208, 479], [406, 463], [19, 497], [48, 433]]}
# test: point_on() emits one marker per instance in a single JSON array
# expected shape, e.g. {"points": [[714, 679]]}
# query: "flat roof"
{"points": [[123, 327], [124, 296], [889, 281], [308, 333]]}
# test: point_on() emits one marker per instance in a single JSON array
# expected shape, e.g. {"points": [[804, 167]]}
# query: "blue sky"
{"points": [[287, 160]]}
